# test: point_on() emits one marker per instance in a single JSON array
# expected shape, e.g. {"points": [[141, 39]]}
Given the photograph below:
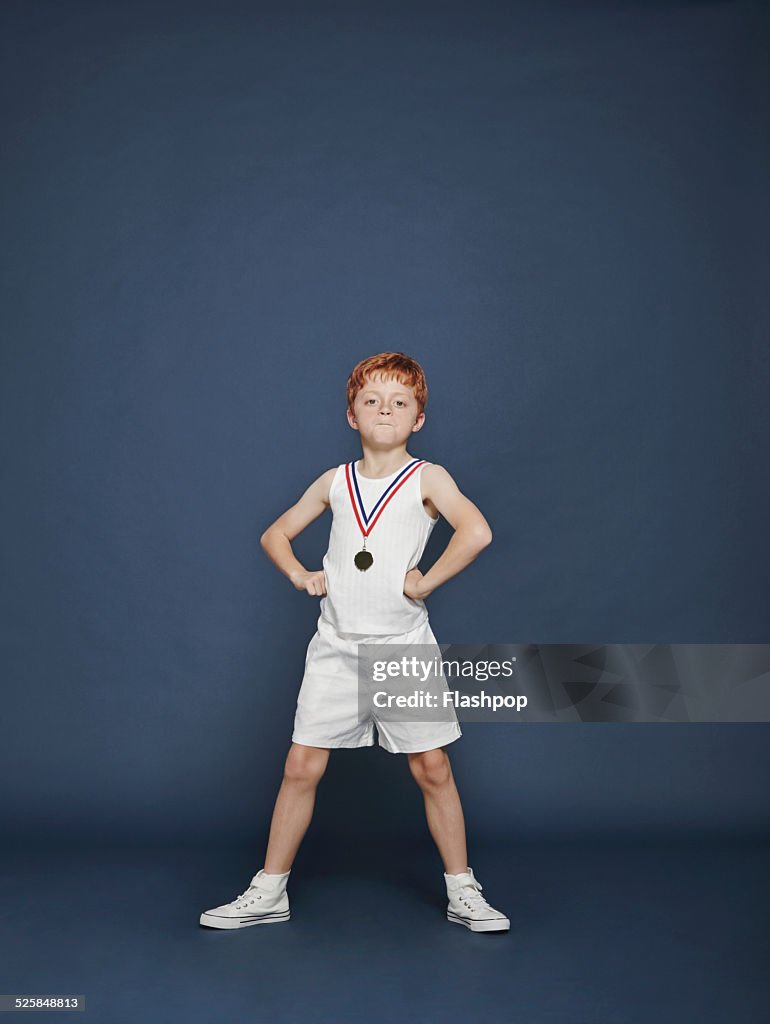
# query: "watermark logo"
{"points": [[565, 682]]}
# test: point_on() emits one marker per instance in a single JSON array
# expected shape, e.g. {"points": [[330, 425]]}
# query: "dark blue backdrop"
{"points": [[210, 213]]}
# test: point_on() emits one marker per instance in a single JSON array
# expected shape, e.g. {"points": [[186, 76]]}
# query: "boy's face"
{"points": [[385, 413]]}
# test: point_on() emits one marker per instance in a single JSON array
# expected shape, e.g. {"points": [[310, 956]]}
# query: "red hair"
{"points": [[391, 365]]}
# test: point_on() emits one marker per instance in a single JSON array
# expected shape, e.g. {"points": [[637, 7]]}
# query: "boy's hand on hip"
{"points": [[413, 585], [312, 582]]}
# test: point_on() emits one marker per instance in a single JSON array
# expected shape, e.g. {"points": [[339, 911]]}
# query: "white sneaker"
{"points": [[467, 906], [264, 902]]}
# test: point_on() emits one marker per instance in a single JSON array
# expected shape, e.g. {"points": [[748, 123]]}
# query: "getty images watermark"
{"points": [[564, 682], [429, 693]]}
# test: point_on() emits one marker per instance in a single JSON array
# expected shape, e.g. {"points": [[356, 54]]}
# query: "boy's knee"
{"points": [[305, 764], [431, 767]]}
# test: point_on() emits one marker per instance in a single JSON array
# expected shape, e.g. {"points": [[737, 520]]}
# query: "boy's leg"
{"points": [[433, 774], [467, 906], [294, 804]]}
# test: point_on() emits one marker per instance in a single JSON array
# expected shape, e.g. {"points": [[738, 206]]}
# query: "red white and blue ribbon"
{"points": [[366, 521]]}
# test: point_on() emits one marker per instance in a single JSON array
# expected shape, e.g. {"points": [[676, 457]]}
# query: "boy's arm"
{"points": [[472, 531], [276, 540]]}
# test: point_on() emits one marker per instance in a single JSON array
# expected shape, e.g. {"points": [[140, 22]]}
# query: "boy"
{"points": [[384, 508]]}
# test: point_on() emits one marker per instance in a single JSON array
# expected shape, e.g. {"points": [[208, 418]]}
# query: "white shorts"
{"points": [[328, 702]]}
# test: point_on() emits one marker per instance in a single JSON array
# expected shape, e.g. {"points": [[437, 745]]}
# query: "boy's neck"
{"points": [[382, 463]]}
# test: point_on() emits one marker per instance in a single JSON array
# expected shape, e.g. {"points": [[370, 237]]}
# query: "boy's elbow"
{"points": [[483, 536], [270, 536]]}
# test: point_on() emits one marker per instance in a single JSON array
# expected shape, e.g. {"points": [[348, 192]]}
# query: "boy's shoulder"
{"points": [[434, 472], [437, 484], [325, 481]]}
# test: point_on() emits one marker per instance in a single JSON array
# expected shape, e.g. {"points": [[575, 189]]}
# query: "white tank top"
{"points": [[372, 602]]}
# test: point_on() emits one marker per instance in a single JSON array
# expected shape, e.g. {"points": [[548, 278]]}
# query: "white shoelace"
{"points": [[471, 896], [251, 893]]}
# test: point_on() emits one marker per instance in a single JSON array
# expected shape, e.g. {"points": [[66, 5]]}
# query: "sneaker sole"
{"points": [[212, 921], [495, 925]]}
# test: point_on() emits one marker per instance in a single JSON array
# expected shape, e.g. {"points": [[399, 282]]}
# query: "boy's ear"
{"points": [[418, 423], [351, 419]]}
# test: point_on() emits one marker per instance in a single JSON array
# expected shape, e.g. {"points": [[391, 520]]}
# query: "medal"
{"points": [[364, 559]]}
